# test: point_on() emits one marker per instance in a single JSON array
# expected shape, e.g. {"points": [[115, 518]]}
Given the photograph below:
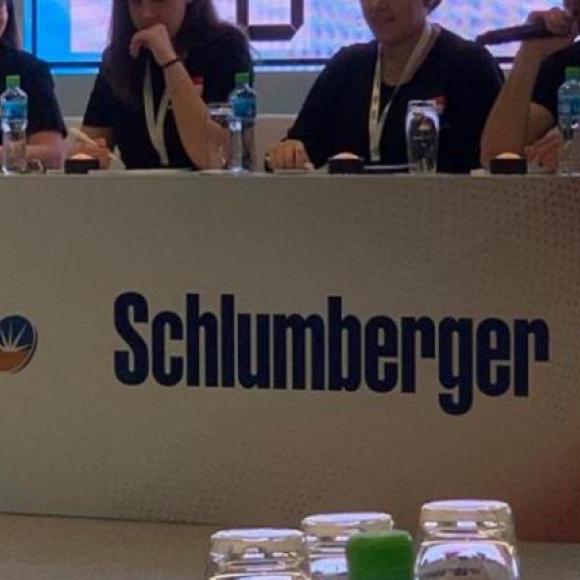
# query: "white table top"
{"points": [[47, 548]]}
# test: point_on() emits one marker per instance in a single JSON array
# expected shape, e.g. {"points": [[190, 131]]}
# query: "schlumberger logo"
{"points": [[335, 351], [18, 338]]}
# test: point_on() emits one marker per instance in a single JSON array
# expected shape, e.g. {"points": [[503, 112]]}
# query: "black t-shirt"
{"points": [[552, 75], [217, 62], [36, 81], [335, 116]]}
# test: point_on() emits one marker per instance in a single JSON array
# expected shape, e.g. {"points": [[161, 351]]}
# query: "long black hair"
{"points": [[200, 24], [11, 36]]}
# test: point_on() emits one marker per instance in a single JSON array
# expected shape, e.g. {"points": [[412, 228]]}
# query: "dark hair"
{"points": [[11, 36], [432, 4], [124, 73]]}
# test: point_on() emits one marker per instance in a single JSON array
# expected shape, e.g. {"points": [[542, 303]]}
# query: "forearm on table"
{"points": [[50, 158], [50, 155]]}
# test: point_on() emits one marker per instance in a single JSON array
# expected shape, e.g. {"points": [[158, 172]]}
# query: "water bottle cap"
{"points": [[242, 78], [380, 555], [332, 525], [12, 81], [573, 73], [497, 512]]}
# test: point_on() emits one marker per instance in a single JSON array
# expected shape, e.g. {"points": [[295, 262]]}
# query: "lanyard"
{"points": [[155, 125], [376, 123]]}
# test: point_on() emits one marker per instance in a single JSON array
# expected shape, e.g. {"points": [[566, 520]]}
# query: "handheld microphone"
{"points": [[528, 31]]}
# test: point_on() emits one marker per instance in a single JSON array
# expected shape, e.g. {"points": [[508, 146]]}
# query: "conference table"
{"points": [[183, 352]]}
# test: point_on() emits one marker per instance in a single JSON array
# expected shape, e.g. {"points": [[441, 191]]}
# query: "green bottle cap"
{"points": [[242, 78], [12, 81], [573, 73], [380, 556]]}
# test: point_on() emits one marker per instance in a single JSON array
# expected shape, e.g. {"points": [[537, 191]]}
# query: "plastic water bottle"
{"points": [[14, 107], [243, 102], [569, 121]]}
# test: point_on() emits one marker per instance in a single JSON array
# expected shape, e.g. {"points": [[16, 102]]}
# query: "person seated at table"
{"points": [[524, 118], [359, 102], [144, 99], [46, 130]]}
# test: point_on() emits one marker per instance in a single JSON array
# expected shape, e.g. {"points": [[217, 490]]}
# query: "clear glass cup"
{"points": [[218, 135], [472, 539], [422, 132], [258, 553], [327, 536]]}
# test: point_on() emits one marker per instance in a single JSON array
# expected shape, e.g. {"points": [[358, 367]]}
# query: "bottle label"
{"points": [[569, 106], [244, 107], [14, 110]]}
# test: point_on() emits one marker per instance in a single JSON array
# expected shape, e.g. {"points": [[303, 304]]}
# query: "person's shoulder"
{"points": [[356, 53], [227, 36], [462, 51], [354, 58], [23, 62]]}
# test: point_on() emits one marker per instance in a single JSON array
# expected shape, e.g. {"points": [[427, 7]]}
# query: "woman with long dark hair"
{"points": [[359, 102], [46, 130], [146, 99]]}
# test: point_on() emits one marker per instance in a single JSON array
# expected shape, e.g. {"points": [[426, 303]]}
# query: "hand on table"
{"points": [[546, 151], [289, 154]]}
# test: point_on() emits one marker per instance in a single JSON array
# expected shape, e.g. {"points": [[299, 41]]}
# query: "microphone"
{"points": [[528, 31]]}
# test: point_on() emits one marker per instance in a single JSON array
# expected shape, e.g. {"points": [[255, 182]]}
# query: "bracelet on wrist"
{"points": [[171, 62]]}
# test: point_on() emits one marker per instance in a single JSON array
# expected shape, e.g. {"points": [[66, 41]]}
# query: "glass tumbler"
{"points": [[258, 554], [471, 539], [218, 135], [422, 132], [327, 536]]}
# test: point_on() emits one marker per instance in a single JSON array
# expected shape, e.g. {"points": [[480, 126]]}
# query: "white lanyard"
{"points": [[376, 123], [155, 125]]}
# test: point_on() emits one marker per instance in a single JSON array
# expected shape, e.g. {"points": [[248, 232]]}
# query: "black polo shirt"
{"points": [[552, 75], [217, 61], [36, 81], [335, 115]]}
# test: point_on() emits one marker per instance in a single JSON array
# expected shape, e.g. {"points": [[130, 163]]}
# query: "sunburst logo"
{"points": [[18, 340]]}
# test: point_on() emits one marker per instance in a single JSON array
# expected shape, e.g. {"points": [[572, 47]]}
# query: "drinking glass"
{"points": [[327, 536], [258, 554], [218, 135], [472, 539], [422, 132]]}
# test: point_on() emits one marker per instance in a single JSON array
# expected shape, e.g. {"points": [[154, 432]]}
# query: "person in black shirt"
{"points": [[145, 100], [364, 83], [525, 116], [45, 131]]}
